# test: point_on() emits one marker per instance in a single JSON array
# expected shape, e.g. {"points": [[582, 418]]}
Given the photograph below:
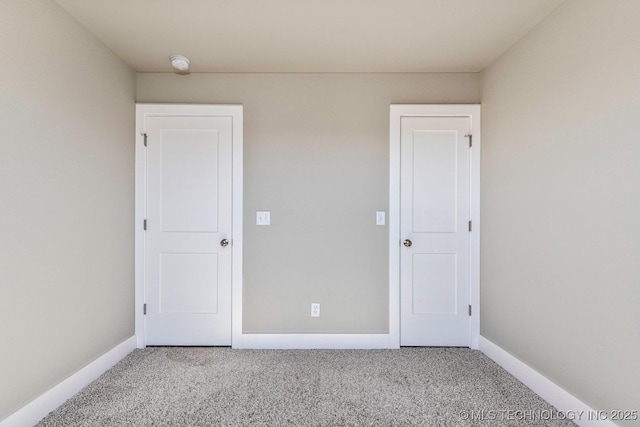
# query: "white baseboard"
{"points": [[316, 341], [575, 409], [33, 412]]}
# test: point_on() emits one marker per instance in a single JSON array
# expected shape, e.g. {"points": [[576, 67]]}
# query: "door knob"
{"points": [[224, 243], [407, 243]]}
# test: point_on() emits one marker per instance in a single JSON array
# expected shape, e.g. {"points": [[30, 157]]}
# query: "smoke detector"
{"points": [[180, 63]]}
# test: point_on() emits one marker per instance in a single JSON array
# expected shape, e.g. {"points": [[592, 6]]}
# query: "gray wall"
{"points": [[561, 201], [316, 150], [66, 199]]}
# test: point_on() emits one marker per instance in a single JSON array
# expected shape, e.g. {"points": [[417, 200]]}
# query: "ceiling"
{"points": [[310, 35]]}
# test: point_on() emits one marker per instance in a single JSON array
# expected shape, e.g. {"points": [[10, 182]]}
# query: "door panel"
{"points": [[188, 185], [188, 283], [189, 212], [434, 192], [434, 283], [434, 181]]}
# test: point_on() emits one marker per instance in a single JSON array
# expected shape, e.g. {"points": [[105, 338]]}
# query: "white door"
{"points": [[189, 227], [434, 231]]}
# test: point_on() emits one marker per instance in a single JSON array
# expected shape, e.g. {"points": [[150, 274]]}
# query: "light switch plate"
{"points": [[263, 218], [380, 217]]}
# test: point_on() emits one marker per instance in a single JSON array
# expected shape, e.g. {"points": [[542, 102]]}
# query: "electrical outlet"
{"points": [[315, 309]]}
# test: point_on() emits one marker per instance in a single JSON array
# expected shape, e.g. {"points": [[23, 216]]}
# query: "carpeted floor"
{"points": [[194, 386]]}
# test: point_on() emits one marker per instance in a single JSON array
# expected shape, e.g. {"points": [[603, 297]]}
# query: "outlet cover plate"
{"points": [[315, 309]]}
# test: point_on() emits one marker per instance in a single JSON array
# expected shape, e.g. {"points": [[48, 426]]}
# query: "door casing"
{"points": [[397, 111], [236, 113]]}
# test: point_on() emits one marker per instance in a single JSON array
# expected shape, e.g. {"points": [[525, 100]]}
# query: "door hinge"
{"points": [[144, 309], [145, 139], [469, 309], [144, 225], [470, 226], [466, 136]]}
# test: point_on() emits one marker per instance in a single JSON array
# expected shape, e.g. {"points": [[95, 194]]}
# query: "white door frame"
{"points": [[142, 112], [453, 110]]}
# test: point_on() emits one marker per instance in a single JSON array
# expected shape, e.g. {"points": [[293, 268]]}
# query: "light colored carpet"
{"points": [[174, 386]]}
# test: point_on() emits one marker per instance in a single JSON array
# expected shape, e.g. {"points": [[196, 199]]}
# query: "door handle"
{"points": [[407, 243], [224, 243]]}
